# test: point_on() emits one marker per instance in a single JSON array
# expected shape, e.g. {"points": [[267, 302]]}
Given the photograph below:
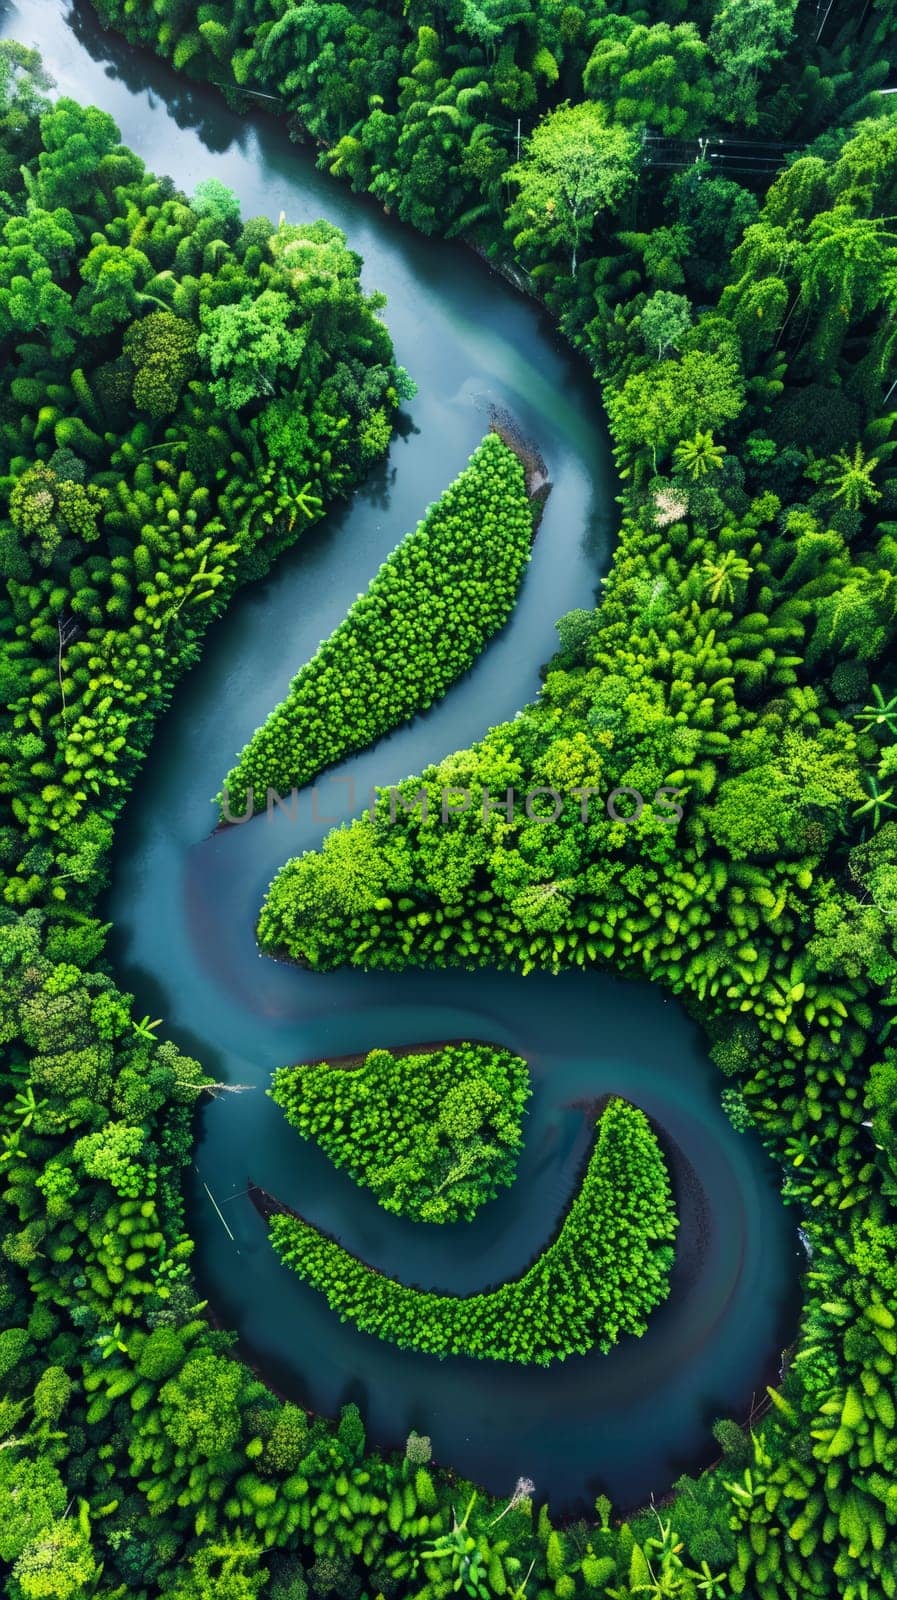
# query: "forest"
{"points": [[425, 618], [432, 1133], [703, 198], [599, 1278]]}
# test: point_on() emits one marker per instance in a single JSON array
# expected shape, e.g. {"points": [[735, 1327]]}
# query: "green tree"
{"points": [[699, 455], [45, 510], [656, 75], [32, 1497], [35, 251], [59, 1564], [664, 319], [75, 167], [674, 399], [880, 714], [850, 478], [229, 1568], [23, 82], [721, 574], [198, 1406], [747, 38], [576, 164], [163, 350], [212, 198], [250, 347]]}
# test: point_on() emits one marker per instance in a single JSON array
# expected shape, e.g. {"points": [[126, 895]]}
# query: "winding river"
{"points": [[184, 902]]}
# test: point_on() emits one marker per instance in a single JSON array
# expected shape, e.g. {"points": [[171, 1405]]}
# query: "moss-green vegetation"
{"points": [[742, 652], [425, 618], [744, 643], [598, 1280], [134, 494], [433, 1133]]}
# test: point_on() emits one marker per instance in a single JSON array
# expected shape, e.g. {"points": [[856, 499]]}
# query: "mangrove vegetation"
{"points": [[433, 1134], [703, 198], [425, 618], [602, 1275]]}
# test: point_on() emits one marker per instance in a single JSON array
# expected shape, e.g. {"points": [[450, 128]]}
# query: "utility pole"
{"points": [[518, 138]]}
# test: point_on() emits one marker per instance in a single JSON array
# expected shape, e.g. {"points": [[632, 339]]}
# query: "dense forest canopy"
{"points": [[427, 614], [179, 401], [599, 1278], [432, 1133]]}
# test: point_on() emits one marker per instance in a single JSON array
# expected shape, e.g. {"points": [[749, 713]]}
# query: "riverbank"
{"points": [[350, 1063], [538, 482]]}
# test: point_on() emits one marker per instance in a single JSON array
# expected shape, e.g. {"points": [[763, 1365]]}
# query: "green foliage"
{"points": [[656, 75], [58, 1565], [577, 164], [747, 610], [163, 350], [747, 38], [131, 504], [251, 348], [665, 320], [426, 616], [433, 1134], [598, 1279]]}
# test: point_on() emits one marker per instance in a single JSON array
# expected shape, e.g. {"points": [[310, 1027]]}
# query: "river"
{"points": [[184, 901]]}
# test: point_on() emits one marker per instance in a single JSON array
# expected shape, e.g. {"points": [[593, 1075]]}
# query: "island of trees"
{"points": [[426, 616], [433, 1133], [598, 1279]]}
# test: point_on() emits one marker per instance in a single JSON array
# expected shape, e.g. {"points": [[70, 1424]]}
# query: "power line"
{"points": [[728, 154]]}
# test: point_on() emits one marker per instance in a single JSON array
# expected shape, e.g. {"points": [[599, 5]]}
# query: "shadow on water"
{"points": [[184, 901]]}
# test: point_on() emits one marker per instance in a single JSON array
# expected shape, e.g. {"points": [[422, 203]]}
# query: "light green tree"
{"points": [[699, 455], [722, 574], [59, 1564], [576, 165], [657, 75], [664, 319], [747, 38], [850, 478], [249, 346]]}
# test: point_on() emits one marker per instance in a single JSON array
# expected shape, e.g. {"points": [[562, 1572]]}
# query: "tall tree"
{"points": [[657, 76], [747, 38], [248, 344], [576, 165]]}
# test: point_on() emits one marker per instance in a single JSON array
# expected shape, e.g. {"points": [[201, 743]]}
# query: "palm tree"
{"points": [[699, 455], [26, 1107], [306, 502], [145, 1029], [850, 478], [801, 1149], [201, 584], [878, 802], [460, 1548], [880, 713], [12, 1145], [721, 576], [711, 1585], [108, 1343]]}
